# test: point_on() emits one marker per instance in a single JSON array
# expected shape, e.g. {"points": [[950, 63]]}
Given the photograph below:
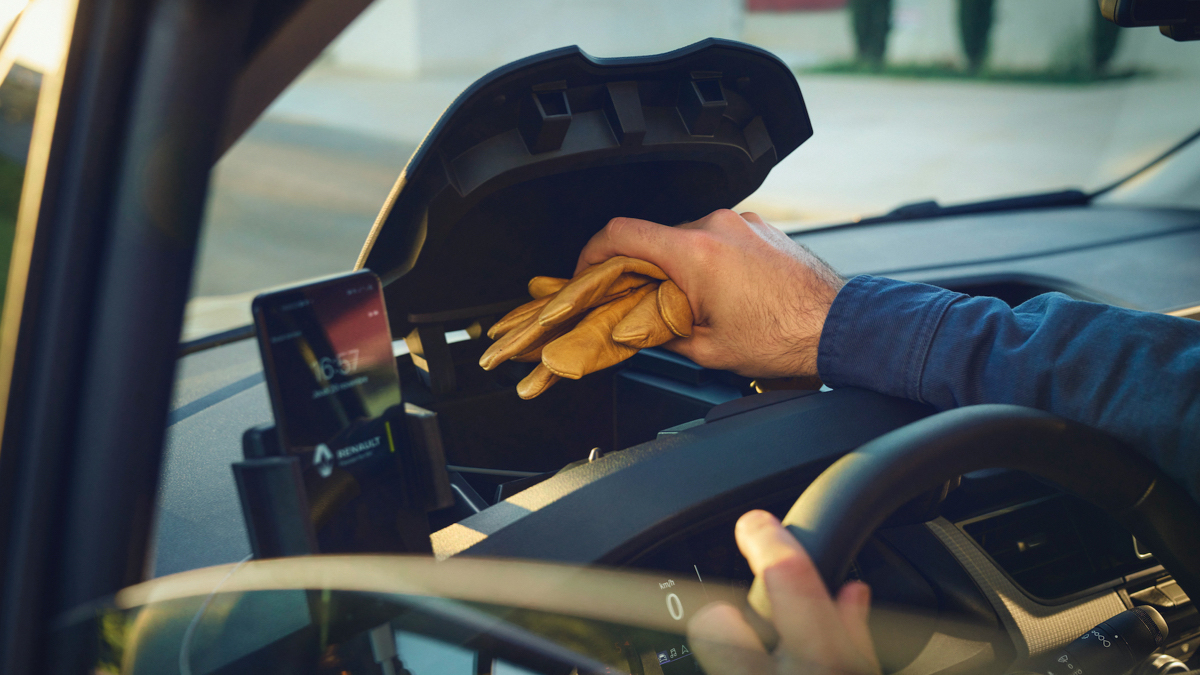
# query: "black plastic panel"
{"points": [[1057, 547], [647, 404], [962, 609], [536, 156], [612, 509]]}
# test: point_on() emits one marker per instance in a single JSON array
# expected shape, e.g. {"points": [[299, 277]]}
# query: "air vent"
{"points": [[1056, 547]]}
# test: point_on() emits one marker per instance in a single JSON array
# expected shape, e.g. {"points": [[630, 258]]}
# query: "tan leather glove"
{"points": [[589, 346], [596, 284], [659, 317], [588, 323]]}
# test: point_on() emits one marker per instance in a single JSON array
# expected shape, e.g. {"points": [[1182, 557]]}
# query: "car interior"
{"points": [[145, 501]]}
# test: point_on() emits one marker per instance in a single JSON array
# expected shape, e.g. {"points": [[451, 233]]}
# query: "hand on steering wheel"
{"points": [[840, 509], [817, 634]]}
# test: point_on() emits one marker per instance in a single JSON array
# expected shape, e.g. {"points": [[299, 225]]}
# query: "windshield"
{"points": [[1049, 98], [346, 614], [396, 614], [1033, 98]]}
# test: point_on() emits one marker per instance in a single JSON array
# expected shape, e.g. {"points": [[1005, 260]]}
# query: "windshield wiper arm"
{"points": [[932, 209]]}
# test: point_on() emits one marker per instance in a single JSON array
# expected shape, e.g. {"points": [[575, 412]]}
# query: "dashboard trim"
{"points": [[1044, 253], [1034, 628], [1186, 312], [604, 512], [1056, 601]]}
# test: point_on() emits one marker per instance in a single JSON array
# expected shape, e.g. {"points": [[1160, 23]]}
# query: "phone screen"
{"points": [[328, 353], [335, 391]]}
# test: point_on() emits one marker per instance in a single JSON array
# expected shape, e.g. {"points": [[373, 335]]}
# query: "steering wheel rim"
{"points": [[840, 510]]}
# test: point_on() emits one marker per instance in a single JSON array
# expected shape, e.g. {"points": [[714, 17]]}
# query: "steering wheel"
{"points": [[840, 510]]}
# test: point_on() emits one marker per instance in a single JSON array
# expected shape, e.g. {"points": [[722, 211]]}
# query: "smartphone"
{"points": [[335, 391]]}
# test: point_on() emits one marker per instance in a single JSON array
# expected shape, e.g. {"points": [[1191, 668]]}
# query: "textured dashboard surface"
{"points": [[1035, 628], [219, 393]]}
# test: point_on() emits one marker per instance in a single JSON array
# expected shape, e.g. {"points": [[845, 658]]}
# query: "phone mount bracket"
{"points": [[277, 508]]}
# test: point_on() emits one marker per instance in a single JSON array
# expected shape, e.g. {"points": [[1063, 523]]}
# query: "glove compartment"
{"points": [[520, 171]]}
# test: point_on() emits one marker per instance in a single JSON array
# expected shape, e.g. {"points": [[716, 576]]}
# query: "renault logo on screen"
{"points": [[323, 460]]}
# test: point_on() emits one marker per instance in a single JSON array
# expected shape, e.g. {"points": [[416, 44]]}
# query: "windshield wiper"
{"points": [[932, 209], [1041, 200]]}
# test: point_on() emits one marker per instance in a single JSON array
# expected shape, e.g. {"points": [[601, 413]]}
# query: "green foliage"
{"points": [[12, 175], [114, 628], [872, 22], [974, 28], [1105, 36]]}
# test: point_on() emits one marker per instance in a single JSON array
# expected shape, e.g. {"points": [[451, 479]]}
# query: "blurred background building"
{"points": [[468, 37], [1052, 98]]}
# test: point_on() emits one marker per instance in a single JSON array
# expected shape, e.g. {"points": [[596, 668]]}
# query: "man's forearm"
{"points": [[1133, 374]]}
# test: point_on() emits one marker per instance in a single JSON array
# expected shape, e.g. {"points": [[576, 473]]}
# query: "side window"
{"points": [[18, 103], [35, 35], [32, 44]]}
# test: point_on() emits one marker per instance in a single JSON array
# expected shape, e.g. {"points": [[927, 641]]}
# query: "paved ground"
{"points": [[880, 143], [290, 201], [296, 197]]}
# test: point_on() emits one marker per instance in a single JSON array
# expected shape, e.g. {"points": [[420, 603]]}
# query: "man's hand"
{"points": [[759, 299], [817, 635]]}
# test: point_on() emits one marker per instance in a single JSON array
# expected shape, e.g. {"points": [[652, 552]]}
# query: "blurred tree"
{"points": [[1105, 36], [974, 27], [872, 22]]}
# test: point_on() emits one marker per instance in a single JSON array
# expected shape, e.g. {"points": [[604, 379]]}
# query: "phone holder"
{"points": [[318, 502]]}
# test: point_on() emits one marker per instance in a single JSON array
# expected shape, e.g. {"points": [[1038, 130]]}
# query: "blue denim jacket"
{"points": [[1133, 374]]}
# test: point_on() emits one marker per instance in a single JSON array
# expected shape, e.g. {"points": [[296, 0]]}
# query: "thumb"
{"points": [[697, 348]]}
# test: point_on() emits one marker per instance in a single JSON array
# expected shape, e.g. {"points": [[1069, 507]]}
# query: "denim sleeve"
{"points": [[1133, 374]]}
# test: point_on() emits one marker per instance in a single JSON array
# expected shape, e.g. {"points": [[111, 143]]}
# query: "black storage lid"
{"points": [[535, 157]]}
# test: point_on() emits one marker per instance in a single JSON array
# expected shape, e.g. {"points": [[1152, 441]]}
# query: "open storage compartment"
{"points": [[520, 171]]}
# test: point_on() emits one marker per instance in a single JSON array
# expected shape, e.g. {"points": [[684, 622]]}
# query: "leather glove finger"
{"points": [[524, 338], [622, 286], [589, 346], [674, 308], [643, 326], [532, 356], [657, 319], [515, 342], [516, 317], [534, 353], [540, 287], [536, 382], [595, 283]]}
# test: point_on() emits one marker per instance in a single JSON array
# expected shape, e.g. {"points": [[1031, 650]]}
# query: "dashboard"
{"points": [[1141, 258], [1001, 569]]}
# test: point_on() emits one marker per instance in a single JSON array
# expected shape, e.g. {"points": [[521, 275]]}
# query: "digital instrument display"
{"points": [[676, 658], [335, 392]]}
